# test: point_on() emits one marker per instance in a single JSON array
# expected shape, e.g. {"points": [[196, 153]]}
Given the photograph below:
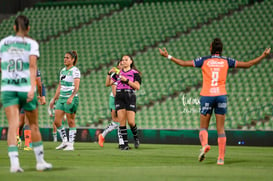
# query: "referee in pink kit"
{"points": [[128, 81]]}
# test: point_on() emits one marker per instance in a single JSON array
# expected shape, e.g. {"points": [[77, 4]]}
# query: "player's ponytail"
{"points": [[21, 24]]}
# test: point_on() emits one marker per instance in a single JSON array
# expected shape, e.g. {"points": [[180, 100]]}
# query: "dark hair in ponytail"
{"points": [[21, 23], [74, 55], [216, 46], [133, 66]]}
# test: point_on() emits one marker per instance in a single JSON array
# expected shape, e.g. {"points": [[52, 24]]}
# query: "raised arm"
{"points": [[250, 63], [108, 81], [182, 63]]}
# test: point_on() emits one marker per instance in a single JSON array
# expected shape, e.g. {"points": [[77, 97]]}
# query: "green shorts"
{"points": [[10, 98], [112, 105], [68, 108]]}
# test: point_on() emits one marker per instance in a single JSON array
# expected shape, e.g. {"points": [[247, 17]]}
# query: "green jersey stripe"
{"points": [[65, 93], [69, 84], [6, 47]]}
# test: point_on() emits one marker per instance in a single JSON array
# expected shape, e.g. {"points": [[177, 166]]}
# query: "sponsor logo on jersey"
{"points": [[63, 77], [213, 63], [16, 81]]}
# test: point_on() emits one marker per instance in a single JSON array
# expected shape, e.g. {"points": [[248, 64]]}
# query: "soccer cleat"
{"points": [[69, 147], [124, 147], [137, 143], [101, 140], [204, 150], [19, 141], [61, 146], [43, 166], [16, 170], [28, 148], [220, 161]]}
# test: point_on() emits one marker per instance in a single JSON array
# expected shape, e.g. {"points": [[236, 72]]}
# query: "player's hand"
{"points": [[69, 100], [163, 52], [51, 104], [42, 100], [112, 70], [30, 95], [122, 78], [266, 52]]}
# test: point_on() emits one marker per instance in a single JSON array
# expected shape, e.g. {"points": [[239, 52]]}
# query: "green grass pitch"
{"points": [[149, 162]]}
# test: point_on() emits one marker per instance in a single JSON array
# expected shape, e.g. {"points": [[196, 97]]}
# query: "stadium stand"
{"points": [[51, 21], [185, 28]]}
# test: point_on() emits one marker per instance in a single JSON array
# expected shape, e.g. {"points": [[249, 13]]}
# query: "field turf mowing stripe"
{"points": [[149, 162]]}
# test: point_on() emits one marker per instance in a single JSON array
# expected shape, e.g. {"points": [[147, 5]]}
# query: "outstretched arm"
{"points": [[254, 61], [182, 63]]}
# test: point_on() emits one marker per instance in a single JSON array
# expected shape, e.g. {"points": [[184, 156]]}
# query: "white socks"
{"points": [[62, 133], [110, 128], [13, 156], [38, 149], [72, 134]]}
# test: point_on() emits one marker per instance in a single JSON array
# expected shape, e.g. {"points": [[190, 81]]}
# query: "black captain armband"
{"points": [[108, 73], [127, 81]]}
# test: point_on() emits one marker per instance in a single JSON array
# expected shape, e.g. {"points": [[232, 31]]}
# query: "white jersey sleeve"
{"points": [[34, 49], [76, 73]]}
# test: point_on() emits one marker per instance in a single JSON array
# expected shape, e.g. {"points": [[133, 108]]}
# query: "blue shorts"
{"points": [[216, 103], [22, 111]]}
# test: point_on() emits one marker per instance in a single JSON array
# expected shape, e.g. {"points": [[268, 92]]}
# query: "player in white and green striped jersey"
{"points": [[18, 55], [67, 96]]}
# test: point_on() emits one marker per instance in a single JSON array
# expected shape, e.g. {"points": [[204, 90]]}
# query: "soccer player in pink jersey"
{"points": [[213, 93]]}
